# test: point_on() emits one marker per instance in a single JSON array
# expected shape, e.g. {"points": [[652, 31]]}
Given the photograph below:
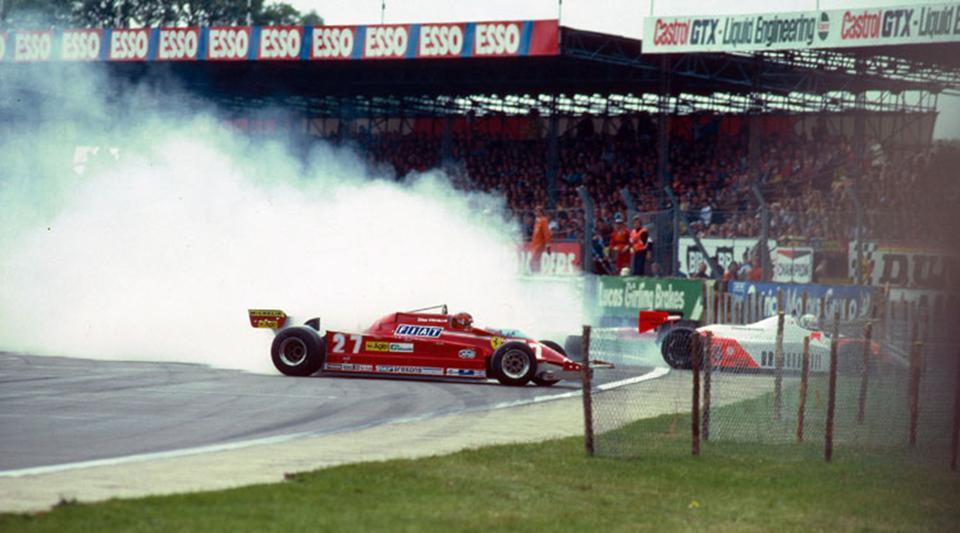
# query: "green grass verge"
{"points": [[552, 486]]}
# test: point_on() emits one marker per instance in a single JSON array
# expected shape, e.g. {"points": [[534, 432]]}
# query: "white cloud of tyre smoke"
{"points": [[157, 256]]}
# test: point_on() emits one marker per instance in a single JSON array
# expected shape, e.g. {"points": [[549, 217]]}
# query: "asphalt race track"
{"points": [[60, 411]]}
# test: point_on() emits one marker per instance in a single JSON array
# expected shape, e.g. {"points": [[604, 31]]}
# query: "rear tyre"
{"points": [[676, 346], [513, 364], [298, 351], [543, 382]]}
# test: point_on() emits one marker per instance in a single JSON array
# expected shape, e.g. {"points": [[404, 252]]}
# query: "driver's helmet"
{"points": [[461, 321], [809, 321]]}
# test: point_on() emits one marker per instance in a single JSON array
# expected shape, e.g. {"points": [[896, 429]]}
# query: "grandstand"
{"points": [[807, 147]]}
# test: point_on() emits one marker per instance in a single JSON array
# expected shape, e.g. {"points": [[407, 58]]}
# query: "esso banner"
{"points": [[280, 43], [286, 43], [33, 45], [81, 45], [129, 45], [228, 44], [335, 42], [829, 28], [178, 44], [441, 40], [564, 259]]}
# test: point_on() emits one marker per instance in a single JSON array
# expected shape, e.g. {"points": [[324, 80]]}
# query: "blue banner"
{"points": [[851, 301]]}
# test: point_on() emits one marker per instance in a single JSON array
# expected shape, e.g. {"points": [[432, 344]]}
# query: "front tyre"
{"points": [[513, 364], [547, 382], [297, 351], [676, 346]]}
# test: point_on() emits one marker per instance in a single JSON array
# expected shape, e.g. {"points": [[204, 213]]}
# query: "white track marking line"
{"points": [[278, 439]]}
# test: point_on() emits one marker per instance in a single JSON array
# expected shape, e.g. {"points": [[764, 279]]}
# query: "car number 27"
{"points": [[339, 340]]}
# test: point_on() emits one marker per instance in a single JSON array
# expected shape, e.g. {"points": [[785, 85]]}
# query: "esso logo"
{"points": [[3, 46], [176, 44], [80, 46], [280, 43], [498, 39], [32, 46], [440, 41], [332, 43], [389, 41], [129, 45], [229, 43]]}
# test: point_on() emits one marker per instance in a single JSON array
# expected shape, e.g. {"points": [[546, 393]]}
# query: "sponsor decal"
{"points": [[228, 44], [467, 354], [178, 44], [466, 373], [333, 42], [496, 342], [376, 346], [348, 367], [418, 331], [823, 27], [332, 366], [402, 369], [280, 42], [80, 45], [382, 346], [32, 45], [497, 39], [129, 45], [432, 320]]}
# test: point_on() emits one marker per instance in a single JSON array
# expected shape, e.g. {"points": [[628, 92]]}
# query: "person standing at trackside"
{"points": [[638, 247], [540, 240], [620, 244]]}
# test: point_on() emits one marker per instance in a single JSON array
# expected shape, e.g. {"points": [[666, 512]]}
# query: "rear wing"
{"points": [[267, 318], [650, 320]]}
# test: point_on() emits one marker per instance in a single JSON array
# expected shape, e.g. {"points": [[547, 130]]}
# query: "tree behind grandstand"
{"points": [[123, 13]]}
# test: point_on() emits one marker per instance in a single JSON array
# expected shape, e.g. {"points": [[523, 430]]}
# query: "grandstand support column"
{"points": [[631, 206], [763, 252], [446, 140], [587, 242], [553, 158], [858, 231], [715, 268]]}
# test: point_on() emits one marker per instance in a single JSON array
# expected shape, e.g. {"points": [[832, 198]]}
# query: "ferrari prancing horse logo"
{"points": [[495, 342]]}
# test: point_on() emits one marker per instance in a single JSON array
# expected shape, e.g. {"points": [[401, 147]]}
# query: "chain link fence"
{"points": [[884, 376]]}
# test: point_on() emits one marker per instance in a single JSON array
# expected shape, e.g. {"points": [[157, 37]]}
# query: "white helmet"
{"points": [[809, 321]]}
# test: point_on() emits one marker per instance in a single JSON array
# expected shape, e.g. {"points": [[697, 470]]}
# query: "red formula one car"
{"points": [[753, 346], [415, 343]]}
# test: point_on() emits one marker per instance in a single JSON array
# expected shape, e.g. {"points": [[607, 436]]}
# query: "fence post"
{"points": [[587, 394], [956, 420], [695, 357], [865, 377], [804, 375], [778, 362], [915, 366], [707, 374], [832, 393], [803, 303]]}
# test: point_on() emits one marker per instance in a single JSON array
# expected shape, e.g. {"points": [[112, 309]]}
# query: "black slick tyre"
{"points": [[298, 351], [513, 364], [540, 381], [676, 346]]}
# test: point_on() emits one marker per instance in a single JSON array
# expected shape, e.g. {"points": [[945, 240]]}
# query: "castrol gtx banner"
{"points": [[830, 28], [285, 43]]}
